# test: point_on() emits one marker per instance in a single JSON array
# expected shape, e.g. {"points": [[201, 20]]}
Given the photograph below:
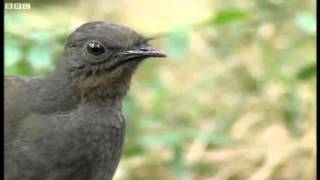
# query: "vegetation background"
{"points": [[235, 99]]}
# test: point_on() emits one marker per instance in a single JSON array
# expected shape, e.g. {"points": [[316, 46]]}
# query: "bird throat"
{"points": [[103, 89]]}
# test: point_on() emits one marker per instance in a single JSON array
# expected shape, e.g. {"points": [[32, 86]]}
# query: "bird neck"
{"points": [[96, 89], [102, 90]]}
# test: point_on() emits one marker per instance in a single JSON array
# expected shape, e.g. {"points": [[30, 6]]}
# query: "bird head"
{"points": [[105, 48], [105, 54]]}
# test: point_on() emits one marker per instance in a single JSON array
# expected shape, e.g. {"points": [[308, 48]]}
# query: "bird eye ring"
{"points": [[95, 48]]}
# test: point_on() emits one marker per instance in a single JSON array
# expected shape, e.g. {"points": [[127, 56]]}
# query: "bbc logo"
{"points": [[17, 6]]}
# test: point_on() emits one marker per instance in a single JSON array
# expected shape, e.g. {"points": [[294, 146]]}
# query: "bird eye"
{"points": [[95, 48]]}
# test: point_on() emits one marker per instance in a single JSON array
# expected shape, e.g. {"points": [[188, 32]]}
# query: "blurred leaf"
{"points": [[21, 68], [39, 57], [271, 63], [173, 139], [160, 99], [293, 112], [229, 16], [13, 21], [166, 139], [62, 36], [212, 137], [130, 106], [226, 121], [307, 72], [133, 150], [306, 22], [41, 37], [132, 112], [12, 70], [178, 42], [12, 52], [178, 165]]}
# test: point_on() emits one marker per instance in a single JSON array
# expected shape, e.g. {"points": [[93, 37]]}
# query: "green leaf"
{"points": [[178, 42], [178, 165], [306, 22], [293, 112], [160, 99], [307, 72], [22, 68], [39, 57], [133, 150], [212, 137], [41, 37], [12, 52], [171, 139], [11, 70], [229, 16]]}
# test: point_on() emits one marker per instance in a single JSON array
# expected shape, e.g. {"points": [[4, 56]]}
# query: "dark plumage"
{"points": [[69, 125]]}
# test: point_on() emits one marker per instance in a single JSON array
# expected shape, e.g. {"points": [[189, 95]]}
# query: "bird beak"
{"points": [[145, 51]]}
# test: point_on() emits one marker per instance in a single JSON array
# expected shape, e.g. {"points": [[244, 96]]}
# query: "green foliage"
{"points": [[28, 53], [306, 22], [39, 57], [177, 42], [307, 72], [292, 113], [229, 16], [12, 52]]}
